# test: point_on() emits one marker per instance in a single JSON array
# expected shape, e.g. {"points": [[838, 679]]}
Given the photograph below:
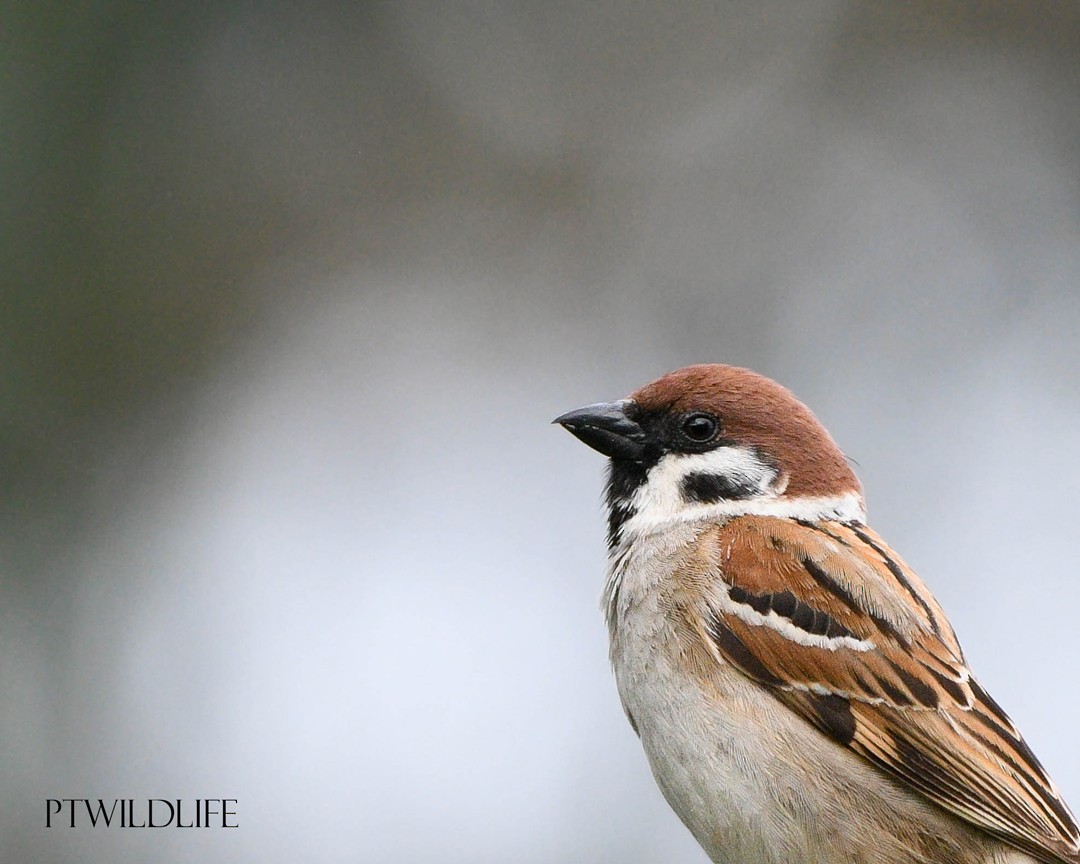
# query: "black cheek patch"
{"points": [[710, 488]]}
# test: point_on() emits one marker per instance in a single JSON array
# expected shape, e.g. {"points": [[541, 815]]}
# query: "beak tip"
{"points": [[606, 428]]}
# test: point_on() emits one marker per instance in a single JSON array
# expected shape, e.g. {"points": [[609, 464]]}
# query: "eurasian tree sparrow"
{"points": [[800, 695]]}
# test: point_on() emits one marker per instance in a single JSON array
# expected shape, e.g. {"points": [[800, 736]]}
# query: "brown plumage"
{"points": [[908, 704]]}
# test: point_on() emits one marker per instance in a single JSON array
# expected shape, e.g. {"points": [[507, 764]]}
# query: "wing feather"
{"points": [[830, 619]]}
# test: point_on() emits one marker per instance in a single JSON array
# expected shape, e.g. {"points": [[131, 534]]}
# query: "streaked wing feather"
{"points": [[845, 634]]}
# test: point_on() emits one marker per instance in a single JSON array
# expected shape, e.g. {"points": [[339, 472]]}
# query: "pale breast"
{"points": [[693, 729]]}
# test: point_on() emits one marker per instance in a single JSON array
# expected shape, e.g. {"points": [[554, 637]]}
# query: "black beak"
{"points": [[605, 427]]}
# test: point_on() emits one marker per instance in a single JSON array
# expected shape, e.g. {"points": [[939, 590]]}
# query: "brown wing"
{"points": [[837, 626]]}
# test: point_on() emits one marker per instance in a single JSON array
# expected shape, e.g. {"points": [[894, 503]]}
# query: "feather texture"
{"points": [[840, 630]]}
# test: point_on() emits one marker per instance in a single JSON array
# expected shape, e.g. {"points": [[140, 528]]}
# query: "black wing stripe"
{"points": [[952, 687], [821, 529], [924, 694], [1022, 749], [827, 583], [995, 709], [787, 605], [898, 574], [895, 694], [734, 648], [831, 714]]}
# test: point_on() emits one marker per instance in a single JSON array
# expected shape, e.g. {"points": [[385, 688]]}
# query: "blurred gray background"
{"points": [[292, 291]]}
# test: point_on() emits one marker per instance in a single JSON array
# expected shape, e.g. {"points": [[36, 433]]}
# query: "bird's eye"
{"points": [[699, 427]]}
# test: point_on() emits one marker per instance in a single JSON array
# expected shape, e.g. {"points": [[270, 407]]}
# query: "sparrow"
{"points": [[799, 693]]}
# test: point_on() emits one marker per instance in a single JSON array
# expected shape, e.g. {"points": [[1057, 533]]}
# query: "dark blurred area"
{"points": [[291, 294]]}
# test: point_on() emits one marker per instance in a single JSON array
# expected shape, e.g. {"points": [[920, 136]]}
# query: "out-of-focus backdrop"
{"points": [[291, 293]]}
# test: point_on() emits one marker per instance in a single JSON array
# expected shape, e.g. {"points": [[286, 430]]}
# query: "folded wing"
{"points": [[826, 616]]}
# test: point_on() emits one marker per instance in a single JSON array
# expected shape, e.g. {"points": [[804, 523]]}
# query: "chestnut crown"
{"points": [[747, 410]]}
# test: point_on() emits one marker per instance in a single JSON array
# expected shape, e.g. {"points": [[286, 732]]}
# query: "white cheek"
{"points": [[660, 498], [660, 501]]}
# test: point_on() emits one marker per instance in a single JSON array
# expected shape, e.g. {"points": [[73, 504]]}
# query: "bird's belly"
{"points": [[707, 760], [755, 784]]}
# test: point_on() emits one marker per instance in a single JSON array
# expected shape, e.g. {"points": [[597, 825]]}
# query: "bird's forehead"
{"points": [[732, 393]]}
